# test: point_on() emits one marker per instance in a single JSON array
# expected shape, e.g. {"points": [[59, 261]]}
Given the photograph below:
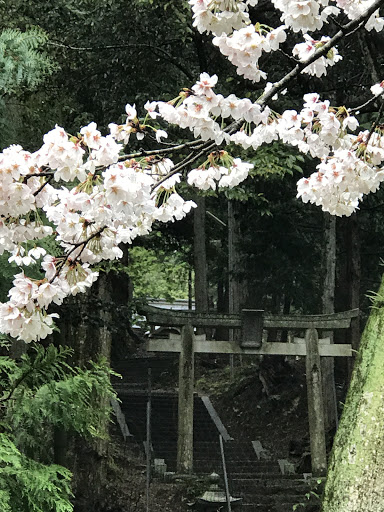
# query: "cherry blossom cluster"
{"points": [[378, 89], [219, 170], [317, 128], [345, 177], [218, 16], [24, 316], [355, 8], [199, 109], [108, 202], [305, 15], [245, 47], [305, 50], [91, 196], [244, 43]]}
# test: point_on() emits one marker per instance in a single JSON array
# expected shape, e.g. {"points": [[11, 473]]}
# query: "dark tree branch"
{"points": [[366, 104], [176, 147], [157, 49], [82, 243]]}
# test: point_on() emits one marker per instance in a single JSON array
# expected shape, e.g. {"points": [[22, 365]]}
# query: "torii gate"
{"points": [[251, 323]]}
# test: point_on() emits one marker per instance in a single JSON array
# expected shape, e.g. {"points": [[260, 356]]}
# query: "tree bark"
{"points": [[200, 257], [355, 480], [200, 261], [354, 271], [234, 291], [85, 326], [234, 287]]}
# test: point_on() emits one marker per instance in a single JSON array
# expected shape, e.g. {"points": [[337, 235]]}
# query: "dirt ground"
{"points": [[267, 401]]}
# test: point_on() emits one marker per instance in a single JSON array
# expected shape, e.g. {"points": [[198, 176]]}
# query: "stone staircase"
{"points": [[164, 428], [134, 371], [257, 480]]}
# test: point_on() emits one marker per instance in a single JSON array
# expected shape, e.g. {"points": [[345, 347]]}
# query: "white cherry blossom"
{"points": [[101, 197]]}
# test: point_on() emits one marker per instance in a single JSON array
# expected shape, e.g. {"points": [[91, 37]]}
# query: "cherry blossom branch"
{"points": [[38, 175], [344, 31], [368, 102], [76, 245], [144, 152], [50, 178]]}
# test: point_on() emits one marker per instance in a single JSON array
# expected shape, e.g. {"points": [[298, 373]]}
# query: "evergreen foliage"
{"points": [[23, 67], [38, 394], [7, 271], [22, 63], [30, 486]]}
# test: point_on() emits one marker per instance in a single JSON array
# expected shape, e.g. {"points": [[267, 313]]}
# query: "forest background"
{"points": [[77, 62]]}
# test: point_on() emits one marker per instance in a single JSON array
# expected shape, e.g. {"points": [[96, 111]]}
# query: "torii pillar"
{"points": [[186, 388]]}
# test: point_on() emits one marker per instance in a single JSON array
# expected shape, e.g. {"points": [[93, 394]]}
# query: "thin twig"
{"points": [[166, 54], [43, 185], [192, 157], [368, 102], [75, 246], [144, 152], [39, 174]]}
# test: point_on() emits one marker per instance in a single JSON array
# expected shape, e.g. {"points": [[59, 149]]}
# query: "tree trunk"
{"points": [[200, 257], [185, 403], [234, 290], [349, 289], [315, 404], [200, 260], [354, 272], [120, 290], [234, 287], [328, 300], [355, 480], [85, 326]]}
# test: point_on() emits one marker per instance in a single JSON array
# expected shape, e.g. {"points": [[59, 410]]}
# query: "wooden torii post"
{"points": [[252, 323]]}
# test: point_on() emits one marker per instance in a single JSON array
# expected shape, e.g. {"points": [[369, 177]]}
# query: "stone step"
{"points": [[264, 507], [251, 466], [260, 492], [270, 486], [261, 474], [259, 482]]}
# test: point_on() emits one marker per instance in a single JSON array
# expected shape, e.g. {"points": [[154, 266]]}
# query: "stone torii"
{"points": [[252, 323]]}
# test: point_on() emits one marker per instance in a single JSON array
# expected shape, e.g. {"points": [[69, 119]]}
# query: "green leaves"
{"points": [[22, 63], [46, 392], [39, 394], [276, 160], [23, 66], [29, 486], [158, 275]]}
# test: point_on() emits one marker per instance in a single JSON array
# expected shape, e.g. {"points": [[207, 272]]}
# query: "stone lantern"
{"points": [[214, 498]]}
